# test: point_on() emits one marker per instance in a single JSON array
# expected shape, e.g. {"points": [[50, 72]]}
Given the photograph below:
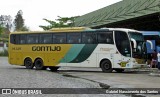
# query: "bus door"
{"points": [[122, 57]]}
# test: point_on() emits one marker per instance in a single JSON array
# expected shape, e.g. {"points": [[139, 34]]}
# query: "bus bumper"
{"points": [[140, 66]]}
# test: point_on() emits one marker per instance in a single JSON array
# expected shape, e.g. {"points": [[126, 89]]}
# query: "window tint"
{"points": [[74, 38], [122, 43], [14, 39], [32, 38], [59, 38], [23, 39], [45, 38], [105, 37], [89, 38]]}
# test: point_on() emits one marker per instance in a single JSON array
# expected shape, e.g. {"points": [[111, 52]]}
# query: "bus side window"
{"points": [[74, 38], [22, 39], [105, 37], [45, 38], [89, 38], [14, 38], [59, 38], [32, 38]]}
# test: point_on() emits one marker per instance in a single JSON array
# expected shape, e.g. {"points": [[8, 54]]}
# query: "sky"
{"points": [[34, 11]]}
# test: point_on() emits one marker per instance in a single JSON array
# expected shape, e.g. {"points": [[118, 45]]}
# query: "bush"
{"points": [[4, 53]]}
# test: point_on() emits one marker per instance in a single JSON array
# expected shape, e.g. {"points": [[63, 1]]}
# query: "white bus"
{"points": [[107, 48]]}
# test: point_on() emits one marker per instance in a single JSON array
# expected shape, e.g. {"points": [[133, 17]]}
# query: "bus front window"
{"points": [[122, 43], [139, 51]]}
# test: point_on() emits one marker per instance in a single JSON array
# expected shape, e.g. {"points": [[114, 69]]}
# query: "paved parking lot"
{"points": [[12, 76]]}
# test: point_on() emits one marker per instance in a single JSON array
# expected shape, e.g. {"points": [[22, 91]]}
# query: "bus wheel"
{"points": [[106, 66], [119, 70], [28, 63], [53, 68], [39, 64]]}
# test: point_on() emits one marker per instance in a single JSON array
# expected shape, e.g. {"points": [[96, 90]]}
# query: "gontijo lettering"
{"points": [[46, 48]]}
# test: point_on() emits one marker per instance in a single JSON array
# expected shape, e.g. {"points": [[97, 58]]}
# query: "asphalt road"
{"points": [[12, 76]]}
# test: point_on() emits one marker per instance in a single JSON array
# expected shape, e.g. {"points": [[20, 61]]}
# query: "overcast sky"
{"points": [[35, 10]]}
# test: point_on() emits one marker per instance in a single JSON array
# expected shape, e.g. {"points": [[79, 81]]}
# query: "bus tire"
{"points": [[106, 66], [53, 68], [39, 64], [119, 70], [28, 63]]}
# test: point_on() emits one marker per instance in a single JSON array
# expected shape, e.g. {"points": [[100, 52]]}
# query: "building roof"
{"points": [[123, 10]]}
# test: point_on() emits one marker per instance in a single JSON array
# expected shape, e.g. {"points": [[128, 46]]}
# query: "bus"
{"points": [[107, 48], [154, 38], [153, 44]]}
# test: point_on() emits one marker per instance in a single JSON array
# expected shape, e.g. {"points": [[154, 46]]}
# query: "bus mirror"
{"points": [[134, 43], [151, 44]]}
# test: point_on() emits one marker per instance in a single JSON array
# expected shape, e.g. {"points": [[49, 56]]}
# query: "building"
{"points": [[133, 14]]}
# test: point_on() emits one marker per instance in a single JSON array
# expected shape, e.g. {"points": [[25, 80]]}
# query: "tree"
{"points": [[1, 29], [6, 22], [60, 22], [5, 27], [68, 21], [25, 28], [19, 22]]}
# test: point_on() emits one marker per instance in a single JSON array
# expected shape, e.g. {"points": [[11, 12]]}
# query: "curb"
{"points": [[155, 74]]}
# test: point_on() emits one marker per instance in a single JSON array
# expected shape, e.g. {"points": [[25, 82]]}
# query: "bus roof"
{"points": [[67, 29], [70, 29], [76, 29], [124, 29]]}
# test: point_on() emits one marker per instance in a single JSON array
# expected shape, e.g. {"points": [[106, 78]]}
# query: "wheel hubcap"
{"points": [[38, 64], [29, 63], [106, 66]]}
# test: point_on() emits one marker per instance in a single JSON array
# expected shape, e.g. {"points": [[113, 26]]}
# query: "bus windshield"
{"points": [[140, 49]]}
